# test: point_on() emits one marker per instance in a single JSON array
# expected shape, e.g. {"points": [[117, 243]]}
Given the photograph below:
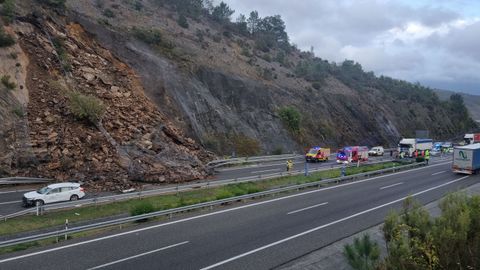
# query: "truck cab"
{"points": [[316, 154], [410, 145], [471, 138], [352, 154]]}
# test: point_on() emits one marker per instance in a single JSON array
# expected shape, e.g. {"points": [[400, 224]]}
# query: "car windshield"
{"points": [[313, 151], [44, 190]]}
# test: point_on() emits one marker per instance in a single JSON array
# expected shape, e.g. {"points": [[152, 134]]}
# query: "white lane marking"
{"points": [[437, 173], [272, 170], [307, 208], [397, 184], [211, 214], [139, 255], [15, 191], [326, 225], [12, 202]]}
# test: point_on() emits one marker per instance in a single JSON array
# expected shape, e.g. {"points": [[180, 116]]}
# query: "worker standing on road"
{"points": [[289, 165], [427, 156]]}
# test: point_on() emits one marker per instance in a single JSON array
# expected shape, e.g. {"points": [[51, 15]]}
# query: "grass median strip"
{"points": [[163, 202]]}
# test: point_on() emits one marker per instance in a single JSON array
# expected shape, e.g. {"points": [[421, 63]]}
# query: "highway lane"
{"points": [[10, 202], [261, 235], [280, 166]]}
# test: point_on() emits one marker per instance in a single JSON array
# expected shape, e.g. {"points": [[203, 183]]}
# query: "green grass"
{"points": [[163, 202]]}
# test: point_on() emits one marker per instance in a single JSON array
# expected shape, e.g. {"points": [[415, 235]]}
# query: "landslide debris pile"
{"points": [[130, 141]]}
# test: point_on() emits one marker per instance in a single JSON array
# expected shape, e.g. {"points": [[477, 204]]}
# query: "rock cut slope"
{"points": [[134, 142]]}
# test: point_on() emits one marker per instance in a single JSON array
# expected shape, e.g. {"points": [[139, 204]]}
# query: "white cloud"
{"points": [[432, 42]]}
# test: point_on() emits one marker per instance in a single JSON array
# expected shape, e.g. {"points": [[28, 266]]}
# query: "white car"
{"points": [[376, 151], [54, 193]]}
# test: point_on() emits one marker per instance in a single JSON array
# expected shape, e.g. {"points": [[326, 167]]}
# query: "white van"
{"points": [[376, 151]]}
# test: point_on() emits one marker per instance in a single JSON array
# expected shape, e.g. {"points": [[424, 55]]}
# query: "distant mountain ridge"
{"points": [[472, 102]]}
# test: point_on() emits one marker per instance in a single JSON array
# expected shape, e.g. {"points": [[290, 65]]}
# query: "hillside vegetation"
{"points": [[472, 102]]}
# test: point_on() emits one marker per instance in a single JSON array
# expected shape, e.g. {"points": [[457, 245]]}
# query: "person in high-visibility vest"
{"points": [[289, 165], [427, 156]]}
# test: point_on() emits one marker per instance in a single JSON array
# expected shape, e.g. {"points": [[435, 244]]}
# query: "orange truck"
{"points": [[316, 154]]}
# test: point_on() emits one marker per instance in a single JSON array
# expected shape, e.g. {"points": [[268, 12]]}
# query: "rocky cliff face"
{"points": [[211, 88], [134, 141]]}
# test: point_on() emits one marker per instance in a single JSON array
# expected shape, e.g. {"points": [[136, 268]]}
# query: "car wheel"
{"points": [[39, 202], [74, 198]]}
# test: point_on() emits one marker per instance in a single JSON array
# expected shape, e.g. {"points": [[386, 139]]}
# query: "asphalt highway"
{"points": [[11, 201], [259, 235], [280, 166]]}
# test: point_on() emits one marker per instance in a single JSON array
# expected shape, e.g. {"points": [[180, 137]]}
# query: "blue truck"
{"points": [[466, 159]]}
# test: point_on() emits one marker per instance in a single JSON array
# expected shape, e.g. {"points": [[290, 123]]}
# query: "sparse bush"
{"points": [[54, 3], [143, 207], [280, 58], [5, 39], [108, 13], [227, 34], [316, 85], [226, 144], [99, 4], [246, 52], [291, 117], [104, 21], [137, 5], [86, 107], [267, 58], [8, 10], [267, 74], [278, 151], [363, 254], [182, 21], [59, 45], [245, 146], [18, 111], [151, 37], [199, 35], [217, 38], [7, 83]]}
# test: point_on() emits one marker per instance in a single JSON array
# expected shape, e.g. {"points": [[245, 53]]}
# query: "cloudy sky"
{"points": [[434, 42]]}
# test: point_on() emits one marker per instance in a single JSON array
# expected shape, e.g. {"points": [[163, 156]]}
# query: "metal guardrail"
{"points": [[235, 161], [23, 180], [196, 206]]}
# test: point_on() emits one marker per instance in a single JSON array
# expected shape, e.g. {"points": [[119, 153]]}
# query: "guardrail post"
{"points": [[39, 211], [66, 228]]}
